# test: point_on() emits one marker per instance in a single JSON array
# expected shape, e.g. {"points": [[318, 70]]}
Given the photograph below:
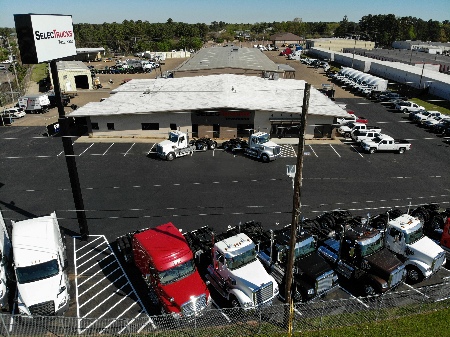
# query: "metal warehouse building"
{"points": [[73, 75], [419, 77], [219, 106], [220, 92]]}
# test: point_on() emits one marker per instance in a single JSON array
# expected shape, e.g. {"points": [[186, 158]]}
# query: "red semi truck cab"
{"points": [[166, 262]]}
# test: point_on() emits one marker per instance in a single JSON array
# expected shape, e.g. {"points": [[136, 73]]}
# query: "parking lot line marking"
{"points": [[129, 149], [83, 246], [313, 150], [140, 329], [103, 289], [416, 290], [9, 138], [86, 150], [151, 149], [334, 150], [107, 149], [60, 153], [13, 157], [357, 151], [106, 257], [76, 277], [92, 248], [93, 257], [43, 156], [93, 275], [356, 298], [221, 311], [102, 302], [30, 190]]}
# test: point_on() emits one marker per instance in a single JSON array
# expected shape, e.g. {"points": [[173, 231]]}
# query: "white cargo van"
{"points": [[40, 265]]}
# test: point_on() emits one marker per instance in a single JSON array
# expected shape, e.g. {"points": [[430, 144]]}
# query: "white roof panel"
{"points": [[210, 92]]}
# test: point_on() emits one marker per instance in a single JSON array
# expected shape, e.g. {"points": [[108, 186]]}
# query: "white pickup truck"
{"points": [[385, 143], [347, 129], [408, 107], [362, 135], [422, 116]]}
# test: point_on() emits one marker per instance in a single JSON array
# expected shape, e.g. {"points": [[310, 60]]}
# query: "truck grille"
{"points": [[263, 294], [195, 306], [43, 309], [396, 276], [324, 282], [438, 261], [277, 150]]}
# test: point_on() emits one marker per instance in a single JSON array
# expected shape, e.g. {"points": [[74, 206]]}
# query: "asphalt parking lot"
{"points": [[125, 187]]}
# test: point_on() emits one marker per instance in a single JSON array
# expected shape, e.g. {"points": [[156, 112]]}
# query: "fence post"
{"points": [[4, 326]]}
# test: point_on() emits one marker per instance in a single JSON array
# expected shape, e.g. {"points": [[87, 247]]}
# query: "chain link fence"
{"points": [[314, 315]]}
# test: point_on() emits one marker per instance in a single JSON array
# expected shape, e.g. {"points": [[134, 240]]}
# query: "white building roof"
{"points": [[210, 92]]}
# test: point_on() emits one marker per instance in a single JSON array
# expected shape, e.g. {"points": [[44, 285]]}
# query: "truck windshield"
{"points": [[370, 246], [263, 139], [173, 137], [306, 247], [377, 139], [242, 259], [37, 272], [177, 273], [414, 236]]}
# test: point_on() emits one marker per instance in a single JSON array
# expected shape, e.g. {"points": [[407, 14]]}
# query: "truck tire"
{"points": [[347, 135], [405, 111], [170, 156], [372, 150], [413, 275], [265, 158], [201, 146], [401, 150], [234, 302], [368, 289], [297, 296], [212, 145]]}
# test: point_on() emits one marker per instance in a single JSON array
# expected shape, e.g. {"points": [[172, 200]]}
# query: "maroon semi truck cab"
{"points": [[166, 262]]}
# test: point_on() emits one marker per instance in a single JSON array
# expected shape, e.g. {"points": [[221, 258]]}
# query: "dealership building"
{"points": [[213, 105]]}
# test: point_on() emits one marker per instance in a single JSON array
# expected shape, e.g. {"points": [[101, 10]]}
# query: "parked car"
{"points": [[389, 96], [408, 106], [14, 112]]}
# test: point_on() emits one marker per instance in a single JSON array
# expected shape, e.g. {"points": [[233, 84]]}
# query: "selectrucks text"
{"points": [[54, 34]]}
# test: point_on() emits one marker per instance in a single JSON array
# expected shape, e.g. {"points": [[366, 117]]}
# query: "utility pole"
{"points": [[69, 154], [297, 193]]}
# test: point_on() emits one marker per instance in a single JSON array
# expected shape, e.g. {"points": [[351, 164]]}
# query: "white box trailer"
{"points": [[40, 265], [35, 103], [5, 263]]}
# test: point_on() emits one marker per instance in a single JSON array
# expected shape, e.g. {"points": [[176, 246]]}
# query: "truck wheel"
{"points": [[297, 296], [347, 135], [401, 150], [212, 145], [372, 150], [413, 275], [201, 147], [405, 111], [369, 290], [234, 302], [265, 158], [170, 156]]}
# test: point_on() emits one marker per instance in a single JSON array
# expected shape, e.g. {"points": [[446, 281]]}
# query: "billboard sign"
{"points": [[44, 37]]}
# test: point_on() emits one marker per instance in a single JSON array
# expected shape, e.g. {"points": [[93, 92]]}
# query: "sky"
{"points": [[229, 11]]}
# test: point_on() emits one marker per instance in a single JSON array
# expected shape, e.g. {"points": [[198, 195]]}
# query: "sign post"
{"points": [[47, 38]]}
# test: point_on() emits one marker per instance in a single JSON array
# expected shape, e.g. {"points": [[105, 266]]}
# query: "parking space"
{"points": [[103, 289]]}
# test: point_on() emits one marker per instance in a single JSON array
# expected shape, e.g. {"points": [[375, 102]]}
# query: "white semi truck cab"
{"points": [[260, 146], [40, 266], [239, 275], [177, 145], [422, 256]]}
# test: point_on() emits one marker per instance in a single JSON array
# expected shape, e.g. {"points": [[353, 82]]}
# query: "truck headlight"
{"points": [[311, 291], [248, 304]]}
